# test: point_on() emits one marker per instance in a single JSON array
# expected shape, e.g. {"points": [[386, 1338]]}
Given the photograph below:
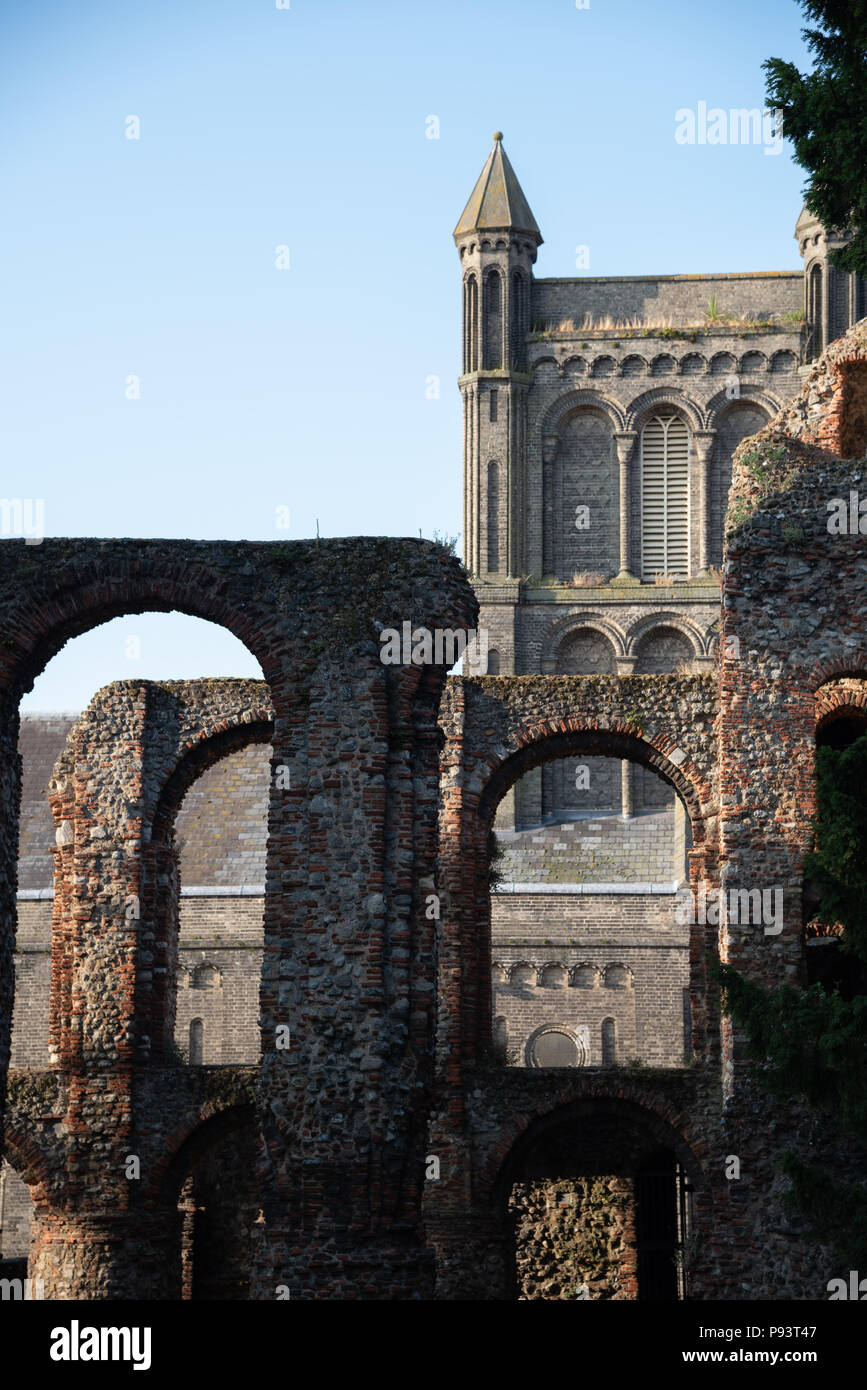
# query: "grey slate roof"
{"points": [[40, 744], [497, 202], [221, 826]]}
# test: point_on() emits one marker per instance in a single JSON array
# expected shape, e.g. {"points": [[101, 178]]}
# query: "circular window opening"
{"points": [[556, 1049]]}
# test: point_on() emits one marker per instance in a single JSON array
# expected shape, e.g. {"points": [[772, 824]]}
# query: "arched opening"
{"points": [[665, 501], [197, 1042], [816, 344], [150, 645], [493, 514], [519, 322], [471, 324], [219, 827], [492, 316], [105, 642], [210, 1185], [597, 1203], [840, 729], [579, 907], [841, 768]]}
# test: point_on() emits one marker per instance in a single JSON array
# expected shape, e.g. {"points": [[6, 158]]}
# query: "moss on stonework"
{"points": [[570, 1237], [32, 1090], [227, 1086]]}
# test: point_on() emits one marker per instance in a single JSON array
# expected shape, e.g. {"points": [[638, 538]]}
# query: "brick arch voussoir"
{"points": [[34, 1167], [638, 1102], [833, 700], [187, 1145], [37, 627], [854, 664], [529, 745], [201, 751]]}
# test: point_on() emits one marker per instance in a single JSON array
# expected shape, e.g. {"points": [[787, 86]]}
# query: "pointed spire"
{"points": [[497, 202]]}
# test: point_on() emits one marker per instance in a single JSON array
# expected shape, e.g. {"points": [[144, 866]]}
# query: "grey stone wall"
{"points": [[220, 953], [575, 960], [32, 984], [683, 298], [16, 1214], [224, 933]]}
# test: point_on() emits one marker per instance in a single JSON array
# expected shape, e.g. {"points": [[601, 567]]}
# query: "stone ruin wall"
{"points": [[363, 1094]]}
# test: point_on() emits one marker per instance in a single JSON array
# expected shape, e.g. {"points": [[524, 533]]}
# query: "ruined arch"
{"points": [[203, 749], [210, 1120], [47, 616], [853, 664], [310, 622], [546, 1180], [545, 742], [633, 1103], [496, 732], [34, 1167], [839, 700], [184, 728], [206, 1194], [17, 1208]]}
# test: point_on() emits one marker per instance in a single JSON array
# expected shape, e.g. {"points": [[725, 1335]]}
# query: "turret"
{"points": [[497, 240], [834, 299]]}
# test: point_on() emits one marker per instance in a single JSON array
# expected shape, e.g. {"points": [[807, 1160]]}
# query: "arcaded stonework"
{"points": [[314, 1170], [349, 964]]}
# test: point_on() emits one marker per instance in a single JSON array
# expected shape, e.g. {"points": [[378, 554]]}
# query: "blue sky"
{"points": [[306, 388]]}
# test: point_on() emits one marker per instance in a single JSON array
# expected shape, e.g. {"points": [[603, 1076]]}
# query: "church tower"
{"points": [[497, 240]]}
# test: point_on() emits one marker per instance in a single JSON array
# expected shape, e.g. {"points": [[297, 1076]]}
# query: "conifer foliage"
{"points": [[824, 114]]}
